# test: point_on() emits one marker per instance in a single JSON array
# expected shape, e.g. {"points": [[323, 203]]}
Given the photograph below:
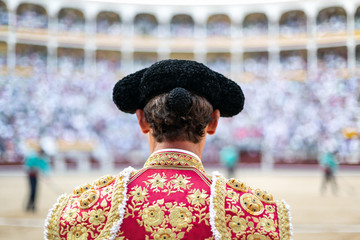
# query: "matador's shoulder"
{"points": [[91, 211], [250, 213]]}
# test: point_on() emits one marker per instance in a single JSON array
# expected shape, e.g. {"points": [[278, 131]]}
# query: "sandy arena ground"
{"points": [[314, 216]]}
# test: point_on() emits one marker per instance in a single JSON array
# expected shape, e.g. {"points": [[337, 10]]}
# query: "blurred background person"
{"points": [[229, 157], [329, 165], [35, 164]]}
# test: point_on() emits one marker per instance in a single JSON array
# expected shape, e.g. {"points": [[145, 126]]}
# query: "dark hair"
{"points": [[170, 124]]}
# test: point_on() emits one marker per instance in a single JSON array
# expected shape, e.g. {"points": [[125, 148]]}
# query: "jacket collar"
{"points": [[174, 157]]}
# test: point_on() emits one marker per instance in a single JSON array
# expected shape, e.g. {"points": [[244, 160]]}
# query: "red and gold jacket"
{"points": [[172, 197]]}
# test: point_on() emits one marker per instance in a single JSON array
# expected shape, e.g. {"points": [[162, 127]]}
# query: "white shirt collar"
{"points": [[176, 150]]}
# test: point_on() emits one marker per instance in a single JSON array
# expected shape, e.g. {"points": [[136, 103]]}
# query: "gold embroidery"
{"points": [[77, 232], [139, 194], [269, 209], [54, 218], [203, 175], [99, 223], [154, 219], [97, 217], [264, 196], [181, 182], [113, 215], [219, 207], [251, 204], [70, 215], [237, 185], [153, 215], [256, 236], [243, 226], [233, 196], [168, 220], [180, 217], [238, 224], [267, 224], [175, 159], [157, 181], [198, 197], [104, 181], [79, 190], [250, 227], [165, 234], [119, 237], [107, 191], [88, 199], [284, 220], [177, 184]]}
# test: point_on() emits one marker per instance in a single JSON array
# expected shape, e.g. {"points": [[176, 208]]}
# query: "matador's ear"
{"points": [[144, 125]]}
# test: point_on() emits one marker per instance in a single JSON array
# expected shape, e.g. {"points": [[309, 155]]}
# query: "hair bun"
{"points": [[179, 101]]}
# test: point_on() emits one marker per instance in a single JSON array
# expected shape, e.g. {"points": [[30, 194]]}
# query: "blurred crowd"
{"points": [[108, 23], [182, 26], [293, 23], [71, 105], [333, 20], [30, 18]]}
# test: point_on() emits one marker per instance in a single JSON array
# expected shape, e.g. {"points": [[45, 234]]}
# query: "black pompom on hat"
{"points": [[135, 90], [179, 101]]}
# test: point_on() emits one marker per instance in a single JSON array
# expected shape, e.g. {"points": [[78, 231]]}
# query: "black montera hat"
{"points": [[135, 90]]}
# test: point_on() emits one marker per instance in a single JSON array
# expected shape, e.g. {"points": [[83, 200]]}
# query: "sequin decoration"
{"points": [[251, 204], [264, 196], [104, 181], [237, 185], [79, 190], [88, 198]]}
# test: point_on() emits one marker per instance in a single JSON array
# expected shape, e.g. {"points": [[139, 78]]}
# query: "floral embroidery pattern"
{"points": [[139, 194], [97, 217], [160, 183], [198, 197], [153, 215], [167, 220], [180, 217], [94, 214], [267, 224], [156, 181], [71, 214], [247, 218], [238, 224], [77, 232], [167, 234]]}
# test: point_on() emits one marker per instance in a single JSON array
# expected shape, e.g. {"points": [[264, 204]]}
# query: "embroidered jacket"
{"points": [[172, 197]]}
